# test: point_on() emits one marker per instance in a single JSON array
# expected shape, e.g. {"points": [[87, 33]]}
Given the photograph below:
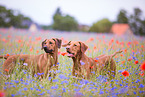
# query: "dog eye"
{"points": [[75, 45], [50, 42], [45, 43]]}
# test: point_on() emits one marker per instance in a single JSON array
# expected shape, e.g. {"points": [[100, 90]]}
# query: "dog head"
{"points": [[50, 45], [75, 48]]}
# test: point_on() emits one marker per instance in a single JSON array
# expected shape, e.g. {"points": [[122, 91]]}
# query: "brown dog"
{"points": [[81, 63], [39, 63], [106, 64]]}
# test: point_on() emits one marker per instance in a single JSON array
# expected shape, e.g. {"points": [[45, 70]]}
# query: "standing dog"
{"points": [[39, 63], [83, 65], [106, 64]]}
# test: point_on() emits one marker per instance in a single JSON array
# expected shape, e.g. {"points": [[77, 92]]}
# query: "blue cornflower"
{"points": [[101, 92], [134, 92], [13, 95], [54, 87], [120, 84], [61, 76], [49, 78], [40, 73], [16, 81], [38, 90], [41, 93], [82, 63], [141, 91], [35, 75], [141, 86], [5, 87], [32, 88], [77, 90], [86, 81], [26, 83], [25, 89], [65, 81], [55, 80], [58, 71], [63, 89], [137, 81]]}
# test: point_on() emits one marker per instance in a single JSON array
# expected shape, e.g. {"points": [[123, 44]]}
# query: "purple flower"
{"points": [[63, 89], [141, 86], [101, 92], [40, 73], [25, 89], [77, 90], [82, 63]]}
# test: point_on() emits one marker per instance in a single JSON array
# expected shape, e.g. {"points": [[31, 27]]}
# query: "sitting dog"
{"points": [[39, 63], [83, 65]]}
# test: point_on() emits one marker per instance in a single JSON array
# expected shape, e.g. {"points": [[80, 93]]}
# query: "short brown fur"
{"points": [[83, 65], [39, 63]]}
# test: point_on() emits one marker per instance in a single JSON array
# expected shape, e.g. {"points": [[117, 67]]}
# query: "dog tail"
{"points": [[5, 57], [116, 53]]}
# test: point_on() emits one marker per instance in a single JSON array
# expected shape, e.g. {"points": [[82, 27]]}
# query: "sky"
{"points": [[84, 11]]}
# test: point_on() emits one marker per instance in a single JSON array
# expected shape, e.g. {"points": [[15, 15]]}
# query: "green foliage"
{"points": [[9, 18], [136, 23], [64, 23], [122, 17], [103, 25]]}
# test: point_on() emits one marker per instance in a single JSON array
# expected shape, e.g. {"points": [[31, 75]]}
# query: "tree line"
{"points": [[13, 18], [65, 22]]}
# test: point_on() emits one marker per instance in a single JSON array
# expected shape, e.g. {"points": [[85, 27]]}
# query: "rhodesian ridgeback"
{"points": [[83, 65], [106, 64], [39, 63]]}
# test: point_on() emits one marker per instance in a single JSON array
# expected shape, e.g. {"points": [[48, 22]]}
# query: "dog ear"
{"points": [[64, 45], [58, 42], [43, 44], [83, 47]]}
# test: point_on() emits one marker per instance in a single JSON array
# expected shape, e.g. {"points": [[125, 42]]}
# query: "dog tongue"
{"points": [[70, 55]]}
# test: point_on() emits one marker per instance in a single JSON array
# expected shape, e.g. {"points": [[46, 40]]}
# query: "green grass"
{"points": [[21, 82]]}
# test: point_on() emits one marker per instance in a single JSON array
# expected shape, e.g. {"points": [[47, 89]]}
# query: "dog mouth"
{"points": [[70, 54], [48, 51]]}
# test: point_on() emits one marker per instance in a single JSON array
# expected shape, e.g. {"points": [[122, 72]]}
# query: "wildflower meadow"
{"points": [[129, 79]]}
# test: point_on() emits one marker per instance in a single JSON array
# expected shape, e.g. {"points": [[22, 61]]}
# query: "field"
{"points": [[129, 79]]}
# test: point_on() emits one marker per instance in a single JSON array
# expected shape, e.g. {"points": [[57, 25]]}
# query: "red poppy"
{"points": [[19, 41], [2, 94], [91, 67], [7, 55], [38, 38], [31, 49], [136, 62], [106, 82], [142, 74], [121, 55], [122, 62], [96, 60], [37, 51], [142, 67], [129, 59], [95, 47], [63, 53], [125, 73], [6, 70]]}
